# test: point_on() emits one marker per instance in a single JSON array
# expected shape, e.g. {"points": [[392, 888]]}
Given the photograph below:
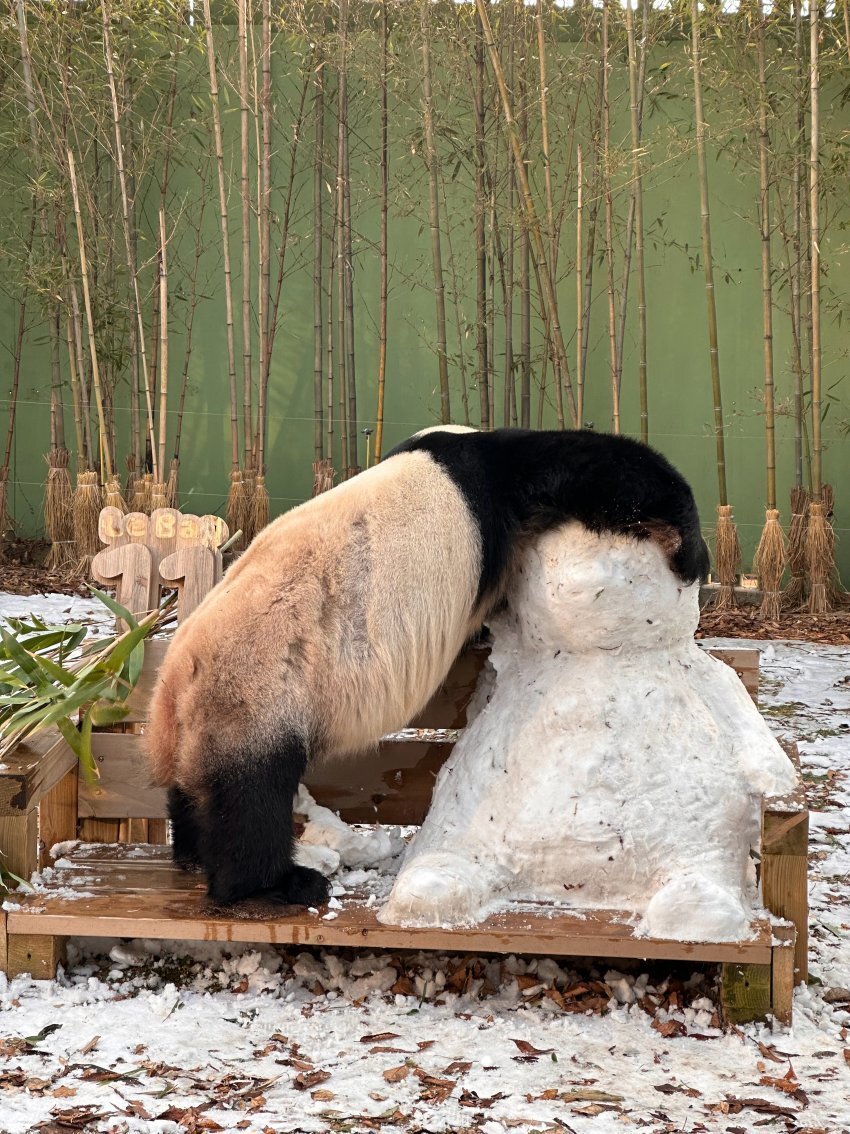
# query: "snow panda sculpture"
{"points": [[608, 762], [344, 615]]}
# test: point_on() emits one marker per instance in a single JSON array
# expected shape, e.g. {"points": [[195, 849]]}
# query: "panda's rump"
{"points": [[337, 624]]}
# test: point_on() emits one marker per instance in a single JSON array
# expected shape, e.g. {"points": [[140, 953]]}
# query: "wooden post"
{"points": [[784, 866], [19, 842], [783, 977], [745, 992], [57, 816], [37, 955]]}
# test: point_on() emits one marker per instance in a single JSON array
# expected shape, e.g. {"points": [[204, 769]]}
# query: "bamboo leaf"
{"points": [[116, 607]]}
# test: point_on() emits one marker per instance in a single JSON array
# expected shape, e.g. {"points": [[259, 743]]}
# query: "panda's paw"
{"points": [[303, 886]]}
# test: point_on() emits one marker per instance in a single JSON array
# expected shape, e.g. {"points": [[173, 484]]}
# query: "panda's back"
{"points": [[344, 614]]}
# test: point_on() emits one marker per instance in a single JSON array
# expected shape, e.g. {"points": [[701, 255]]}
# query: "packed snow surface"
{"points": [[168, 1037], [611, 762]]}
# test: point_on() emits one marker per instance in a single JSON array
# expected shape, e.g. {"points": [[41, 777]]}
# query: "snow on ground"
{"points": [[164, 1037]]}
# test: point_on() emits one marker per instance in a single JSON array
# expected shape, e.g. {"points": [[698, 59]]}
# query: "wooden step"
{"points": [[133, 890]]}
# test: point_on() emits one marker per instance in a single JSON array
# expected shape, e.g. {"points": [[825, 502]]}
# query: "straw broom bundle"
{"points": [[87, 499], [795, 592], [727, 557], [769, 564], [323, 476], [237, 503], [112, 497], [171, 487], [260, 505], [159, 495], [838, 596], [820, 558]]}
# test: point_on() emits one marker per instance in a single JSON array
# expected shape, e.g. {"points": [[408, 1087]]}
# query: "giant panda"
{"points": [[344, 616]]}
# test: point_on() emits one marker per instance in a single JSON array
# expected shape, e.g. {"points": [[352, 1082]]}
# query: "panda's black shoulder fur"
{"points": [[518, 482]]}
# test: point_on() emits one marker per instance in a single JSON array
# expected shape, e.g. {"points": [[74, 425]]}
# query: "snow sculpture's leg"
{"points": [[714, 911], [444, 888]]}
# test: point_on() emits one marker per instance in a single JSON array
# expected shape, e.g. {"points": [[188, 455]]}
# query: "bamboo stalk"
{"points": [[482, 362], [820, 538], [348, 266], [190, 325], [637, 79], [163, 344], [264, 305], [85, 402], [273, 305], [814, 228], [98, 390], [331, 273], [234, 513], [341, 310], [245, 193], [383, 239], [609, 224], [318, 315], [82, 450], [594, 185], [727, 551], [767, 289], [6, 520], [57, 424], [508, 275], [434, 211], [547, 289], [796, 275], [579, 298], [524, 267], [125, 215], [770, 553]]}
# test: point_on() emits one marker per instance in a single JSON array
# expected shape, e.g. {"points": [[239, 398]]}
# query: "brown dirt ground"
{"points": [[22, 572]]}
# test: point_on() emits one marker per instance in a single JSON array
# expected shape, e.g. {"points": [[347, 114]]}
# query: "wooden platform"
{"points": [[132, 890], [135, 891]]}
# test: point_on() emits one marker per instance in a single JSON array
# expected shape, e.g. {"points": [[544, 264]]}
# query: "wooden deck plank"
{"points": [[137, 894]]}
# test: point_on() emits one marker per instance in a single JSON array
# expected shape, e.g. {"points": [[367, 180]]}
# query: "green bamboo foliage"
{"points": [[498, 164]]}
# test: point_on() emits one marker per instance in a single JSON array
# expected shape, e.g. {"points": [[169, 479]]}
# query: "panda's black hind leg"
{"points": [[185, 829], [247, 837]]}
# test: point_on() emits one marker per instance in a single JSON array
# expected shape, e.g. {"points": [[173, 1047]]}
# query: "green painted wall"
{"points": [[680, 404]]}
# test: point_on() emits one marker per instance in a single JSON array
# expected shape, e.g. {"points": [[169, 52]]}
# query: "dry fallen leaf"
{"points": [[380, 1037], [304, 1081], [588, 1094], [770, 1052], [669, 1028], [470, 1098], [529, 1049], [322, 1096], [397, 1074]]}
